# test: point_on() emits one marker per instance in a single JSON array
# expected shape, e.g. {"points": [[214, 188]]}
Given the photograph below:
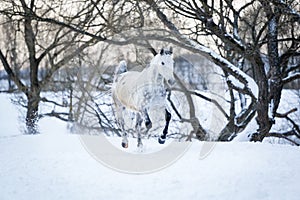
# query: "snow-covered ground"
{"points": [[56, 165]]}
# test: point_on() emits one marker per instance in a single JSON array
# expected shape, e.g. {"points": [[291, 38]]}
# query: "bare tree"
{"points": [[47, 47], [54, 33], [262, 40]]}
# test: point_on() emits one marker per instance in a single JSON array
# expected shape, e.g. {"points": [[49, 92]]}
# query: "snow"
{"points": [[55, 165], [8, 117]]}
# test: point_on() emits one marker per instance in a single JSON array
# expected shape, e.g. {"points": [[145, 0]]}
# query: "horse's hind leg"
{"points": [[121, 123], [124, 140], [139, 121], [124, 136], [162, 138]]}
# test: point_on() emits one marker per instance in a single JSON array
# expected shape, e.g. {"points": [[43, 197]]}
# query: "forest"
{"points": [[237, 57]]}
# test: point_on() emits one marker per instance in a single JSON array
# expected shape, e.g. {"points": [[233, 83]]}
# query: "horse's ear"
{"points": [[162, 51]]}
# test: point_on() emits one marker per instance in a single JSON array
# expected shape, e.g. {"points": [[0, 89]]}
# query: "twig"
{"points": [[212, 101], [56, 114], [284, 136], [284, 115]]}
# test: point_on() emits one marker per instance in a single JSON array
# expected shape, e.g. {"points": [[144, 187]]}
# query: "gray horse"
{"points": [[138, 91]]}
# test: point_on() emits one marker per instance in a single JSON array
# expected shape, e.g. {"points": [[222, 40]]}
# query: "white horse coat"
{"points": [[139, 91]]}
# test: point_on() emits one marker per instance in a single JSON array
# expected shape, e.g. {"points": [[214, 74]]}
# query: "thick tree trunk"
{"points": [[229, 130], [262, 106], [262, 109], [32, 113], [270, 86], [275, 79], [33, 95]]}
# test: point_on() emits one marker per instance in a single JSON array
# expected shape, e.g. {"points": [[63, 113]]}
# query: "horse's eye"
{"points": [[162, 63]]}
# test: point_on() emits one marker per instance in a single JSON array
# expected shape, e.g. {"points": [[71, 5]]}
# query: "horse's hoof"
{"points": [[140, 145], [161, 140], [124, 145]]}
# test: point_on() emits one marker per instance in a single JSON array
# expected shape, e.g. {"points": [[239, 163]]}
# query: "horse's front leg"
{"points": [[162, 138], [138, 126]]}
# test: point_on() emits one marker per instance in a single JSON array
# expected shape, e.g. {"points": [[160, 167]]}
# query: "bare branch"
{"points": [[291, 78], [284, 115], [212, 101], [295, 125], [44, 99], [12, 75], [283, 136], [56, 114], [206, 52]]}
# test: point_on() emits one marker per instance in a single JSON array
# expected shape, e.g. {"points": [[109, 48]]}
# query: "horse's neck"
{"points": [[152, 74]]}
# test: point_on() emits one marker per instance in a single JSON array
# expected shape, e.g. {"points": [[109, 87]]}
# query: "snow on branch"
{"points": [[237, 76], [292, 77]]}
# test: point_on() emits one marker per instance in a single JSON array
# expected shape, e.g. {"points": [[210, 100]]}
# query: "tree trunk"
{"points": [[262, 106], [32, 113], [275, 81], [33, 95], [270, 86]]}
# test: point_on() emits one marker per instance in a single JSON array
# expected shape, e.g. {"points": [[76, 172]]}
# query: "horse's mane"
{"points": [[121, 68]]}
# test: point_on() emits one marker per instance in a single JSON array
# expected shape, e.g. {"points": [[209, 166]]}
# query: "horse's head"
{"points": [[164, 64]]}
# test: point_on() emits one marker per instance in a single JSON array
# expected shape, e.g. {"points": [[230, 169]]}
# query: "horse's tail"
{"points": [[121, 68]]}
